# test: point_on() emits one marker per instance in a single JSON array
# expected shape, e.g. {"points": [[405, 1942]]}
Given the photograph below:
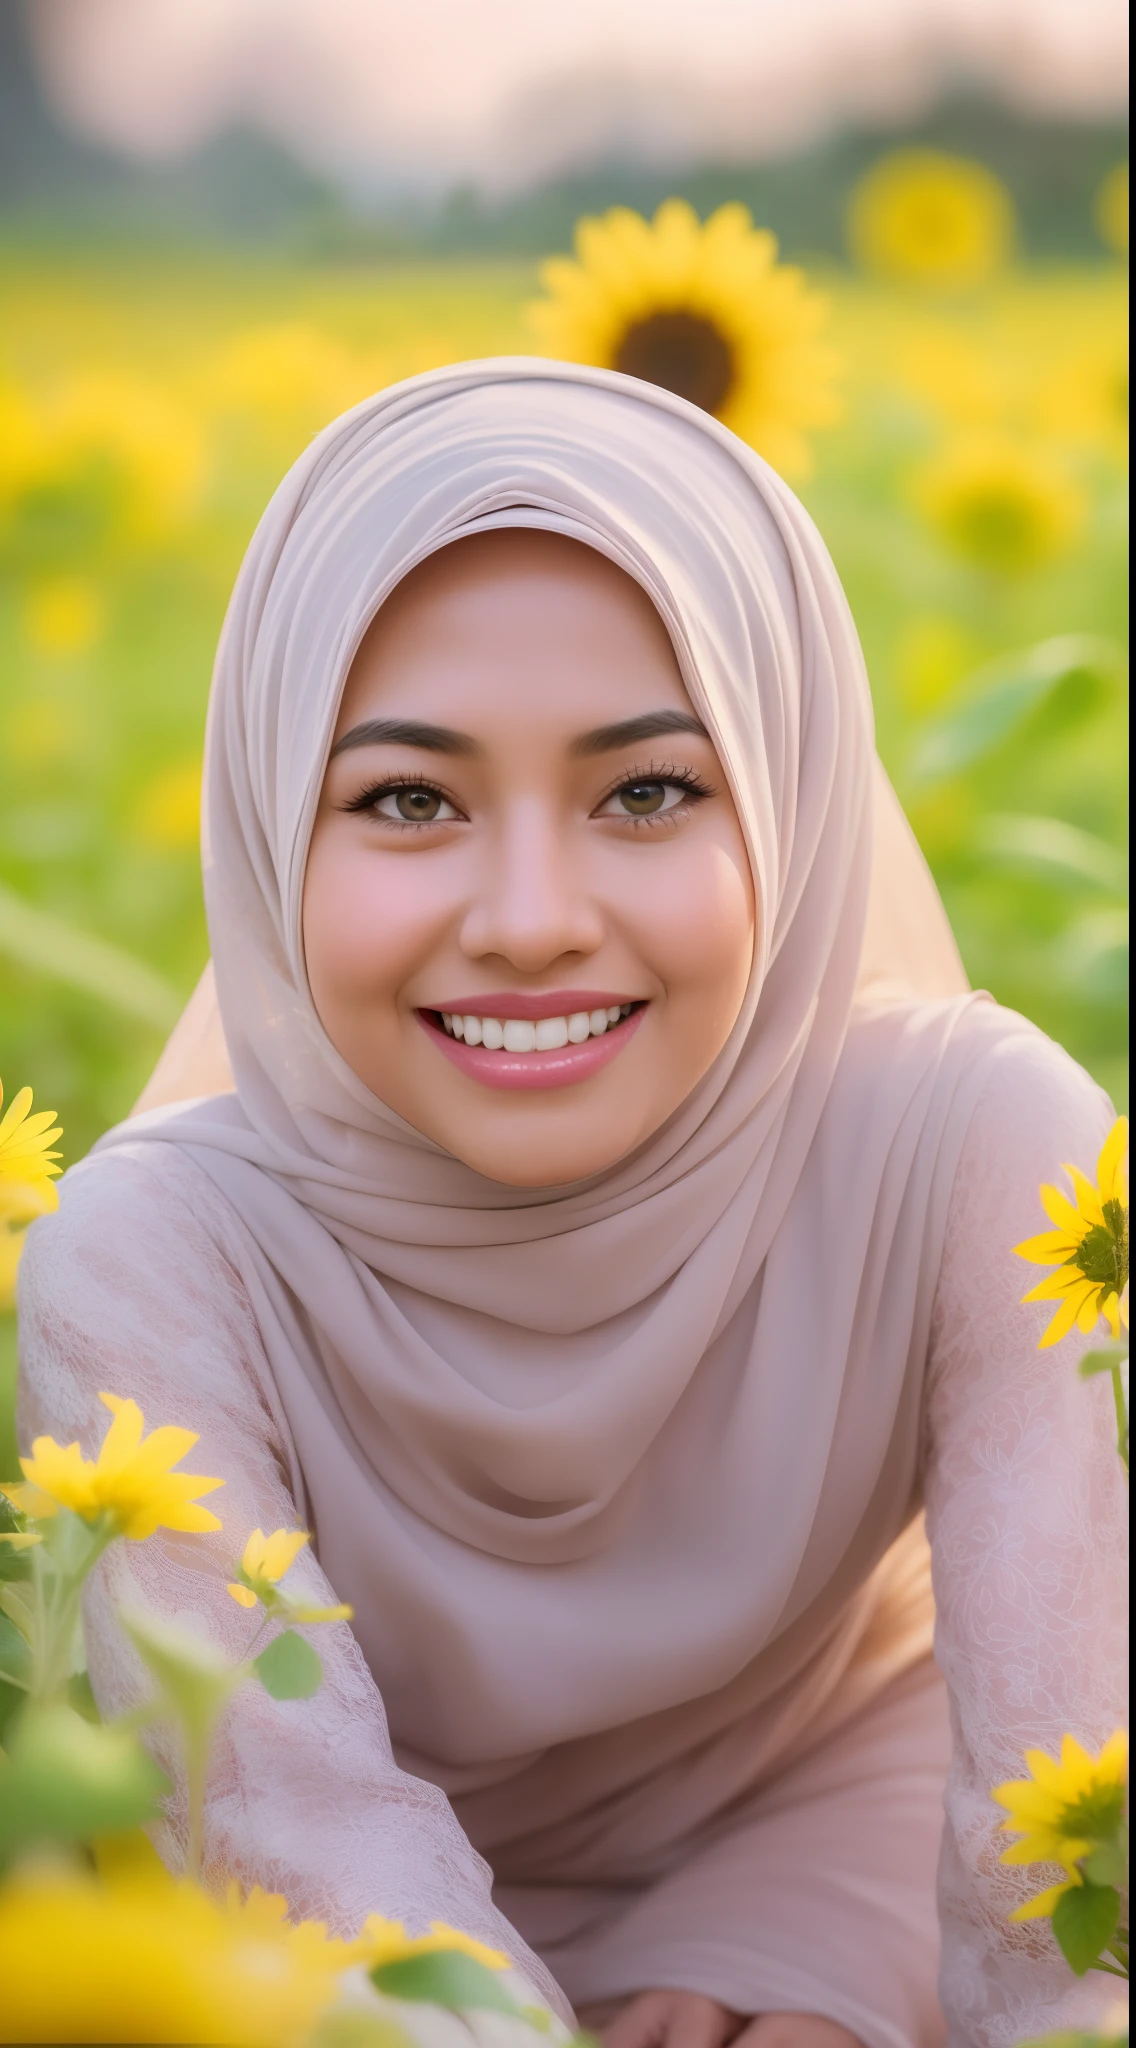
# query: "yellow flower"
{"points": [[1084, 399], [169, 813], [1090, 1243], [65, 615], [999, 505], [1110, 209], [290, 373], [922, 218], [264, 1563], [157, 1961], [386, 1941], [703, 309], [11, 1245], [1062, 1811], [27, 1163], [130, 1481]]}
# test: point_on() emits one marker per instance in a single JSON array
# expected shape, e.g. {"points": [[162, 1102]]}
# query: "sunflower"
{"points": [[1000, 505], [1062, 1811], [703, 309], [922, 218], [1090, 1243]]}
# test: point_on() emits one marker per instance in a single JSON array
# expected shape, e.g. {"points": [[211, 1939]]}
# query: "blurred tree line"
{"points": [[243, 187]]}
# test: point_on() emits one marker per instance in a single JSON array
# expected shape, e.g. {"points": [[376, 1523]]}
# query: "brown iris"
{"points": [[684, 353]]}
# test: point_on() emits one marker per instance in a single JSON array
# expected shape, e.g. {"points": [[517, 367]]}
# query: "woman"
{"points": [[603, 1247]]}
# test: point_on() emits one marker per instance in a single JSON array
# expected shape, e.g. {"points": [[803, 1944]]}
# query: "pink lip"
{"points": [[534, 1069], [553, 1002]]}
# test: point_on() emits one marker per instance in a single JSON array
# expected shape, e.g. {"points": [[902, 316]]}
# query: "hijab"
{"points": [[579, 1454]]}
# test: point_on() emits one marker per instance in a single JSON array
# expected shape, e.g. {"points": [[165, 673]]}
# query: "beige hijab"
{"points": [[690, 1385]]}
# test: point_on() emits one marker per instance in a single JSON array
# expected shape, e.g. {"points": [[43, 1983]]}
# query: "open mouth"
{"points": [[535, 1051]]}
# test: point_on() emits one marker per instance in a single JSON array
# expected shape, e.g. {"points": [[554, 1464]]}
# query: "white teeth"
{"points": [[551, 1033], [546, 1034]]}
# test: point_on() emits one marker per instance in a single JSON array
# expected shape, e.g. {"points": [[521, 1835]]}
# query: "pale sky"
{"points": [[503, 91]]}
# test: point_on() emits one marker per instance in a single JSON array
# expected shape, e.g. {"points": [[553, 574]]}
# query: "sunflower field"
{"points": [[954, 419]]}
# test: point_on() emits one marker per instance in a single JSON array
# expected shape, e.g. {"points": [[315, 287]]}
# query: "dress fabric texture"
{"points": [[621, 1479]]}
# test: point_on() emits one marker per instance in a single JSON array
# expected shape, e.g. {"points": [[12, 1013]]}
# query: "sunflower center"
{"points": [[682, 352], [1102, 1254], [1095, 1816]]}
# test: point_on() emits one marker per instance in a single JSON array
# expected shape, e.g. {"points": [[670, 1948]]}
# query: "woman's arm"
{"points": [[1026, 1510], [127, 1290]]}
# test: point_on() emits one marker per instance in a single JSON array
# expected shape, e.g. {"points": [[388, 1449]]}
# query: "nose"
{"points": [[532, 905]]}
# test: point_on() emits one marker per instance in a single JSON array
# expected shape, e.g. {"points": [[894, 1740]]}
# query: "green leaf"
{"points": [[15, 1654], [1053, 850], [1102, 1360], [289, 1668], [1085, 1919], [65, 1780], [1106, 1864], [445, 1977], [1064, 677]]}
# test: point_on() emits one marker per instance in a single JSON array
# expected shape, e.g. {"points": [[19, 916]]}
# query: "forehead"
{"points": [[527, 616]]}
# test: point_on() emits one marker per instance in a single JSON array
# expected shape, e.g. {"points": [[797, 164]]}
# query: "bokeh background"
{"points": [[223, 221]]}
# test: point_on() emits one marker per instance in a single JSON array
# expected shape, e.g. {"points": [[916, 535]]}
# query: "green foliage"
{"points": [[64, 1780], [1055, 686], [446, 1977], [289, 1668], [1085, 1919]]}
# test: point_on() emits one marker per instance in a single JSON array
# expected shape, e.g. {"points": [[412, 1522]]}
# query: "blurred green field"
{"points": [[147, 408]]}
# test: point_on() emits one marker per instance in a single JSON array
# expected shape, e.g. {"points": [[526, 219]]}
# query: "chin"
{"points": [[536, 1164]]}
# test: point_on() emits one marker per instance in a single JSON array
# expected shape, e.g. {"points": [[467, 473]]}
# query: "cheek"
{"points": [[697, 925], [364, 926]]}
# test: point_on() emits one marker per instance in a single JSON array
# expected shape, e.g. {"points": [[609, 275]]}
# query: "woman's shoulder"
{"points": [[1003, 1071], [137, 1215]]}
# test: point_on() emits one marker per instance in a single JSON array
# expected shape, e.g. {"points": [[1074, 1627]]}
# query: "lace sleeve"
{"points": [[126, 1289], [1026, 1510]]}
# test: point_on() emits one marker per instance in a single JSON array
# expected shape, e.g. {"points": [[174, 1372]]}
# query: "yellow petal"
{"points": [[298, 1612], [252, 1557], [1052, 1248], [29, 1500], [280, 1552], [1060, 1210], [1041, 1907], [1088, 1197], [1062, 1322], [1110, 1175], [243, 1595]]}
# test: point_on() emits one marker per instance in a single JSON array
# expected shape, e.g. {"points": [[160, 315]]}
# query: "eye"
{"points": [[647, 799], [413, 803]]}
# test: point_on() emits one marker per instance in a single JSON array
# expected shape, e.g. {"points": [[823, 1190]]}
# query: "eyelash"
{"points": [[695, 790]]}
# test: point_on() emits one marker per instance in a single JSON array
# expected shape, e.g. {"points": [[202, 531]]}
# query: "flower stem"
{"points": [[1121, 1412]]}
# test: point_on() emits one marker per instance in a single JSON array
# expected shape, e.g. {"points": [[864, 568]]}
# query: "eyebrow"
{"points": [[406, 732], [606, 739], [443, 739]]}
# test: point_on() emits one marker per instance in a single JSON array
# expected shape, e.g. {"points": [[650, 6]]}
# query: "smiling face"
{"points": [[528, 910]]}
